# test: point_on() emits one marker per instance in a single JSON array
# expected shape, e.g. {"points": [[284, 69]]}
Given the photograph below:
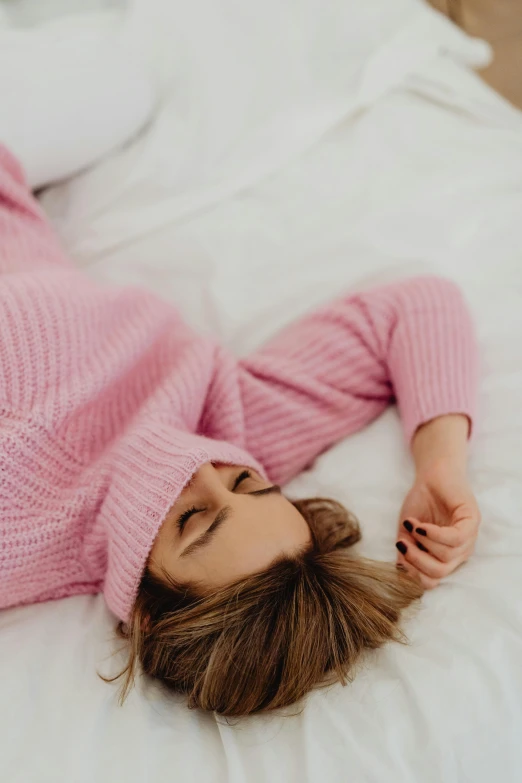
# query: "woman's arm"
{"points": [[442, 439], [440, 518], [334, 371], [71, 91]]}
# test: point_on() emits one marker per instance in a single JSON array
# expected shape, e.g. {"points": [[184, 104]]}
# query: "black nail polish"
{"points": [[401, 547], [421, 547], [408, 526], [420, 531]]}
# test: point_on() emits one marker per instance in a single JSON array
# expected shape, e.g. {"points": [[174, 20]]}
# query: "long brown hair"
{"points": [[268, 639]]}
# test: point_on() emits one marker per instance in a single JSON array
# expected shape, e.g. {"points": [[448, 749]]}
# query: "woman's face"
{"points": [[227, 523]]}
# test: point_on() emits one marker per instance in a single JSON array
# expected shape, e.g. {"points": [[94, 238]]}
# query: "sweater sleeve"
{"points": [[334, 371], [27, 240]]}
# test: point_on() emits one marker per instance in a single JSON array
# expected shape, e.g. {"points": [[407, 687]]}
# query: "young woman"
{"points": [[140, 459]]}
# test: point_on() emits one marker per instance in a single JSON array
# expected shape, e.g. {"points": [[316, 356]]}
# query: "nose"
{"points": [[213, 480]]}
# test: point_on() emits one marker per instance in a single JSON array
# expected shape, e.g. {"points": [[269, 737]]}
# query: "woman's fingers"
{"points": [[425, 581], [433, 552], [426, 563], [442, 552], [456, 535]]}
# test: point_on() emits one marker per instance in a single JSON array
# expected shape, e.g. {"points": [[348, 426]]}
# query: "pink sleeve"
{"points": [[27, 240], [334, 371]]}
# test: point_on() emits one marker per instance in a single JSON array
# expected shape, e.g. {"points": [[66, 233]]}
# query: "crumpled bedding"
{"points": [[249, 200]]}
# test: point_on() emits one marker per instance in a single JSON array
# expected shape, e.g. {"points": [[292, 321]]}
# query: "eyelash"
{"points": [[245, 474], [185, 516]]}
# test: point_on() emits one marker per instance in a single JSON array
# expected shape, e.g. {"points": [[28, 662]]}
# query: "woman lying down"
{"points": [[142, 460]]}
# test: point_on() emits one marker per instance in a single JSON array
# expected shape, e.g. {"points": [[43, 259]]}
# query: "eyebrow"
{"points": [[222, 517]]}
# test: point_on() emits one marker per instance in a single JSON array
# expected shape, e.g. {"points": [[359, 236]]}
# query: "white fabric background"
{"points": [[302, 148], [72, 91]]}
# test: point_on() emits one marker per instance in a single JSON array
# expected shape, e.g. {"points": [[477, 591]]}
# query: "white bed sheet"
{"points": [[424, 175]]}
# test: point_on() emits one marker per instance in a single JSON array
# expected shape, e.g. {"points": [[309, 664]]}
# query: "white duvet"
{"points": [[303, 148]]}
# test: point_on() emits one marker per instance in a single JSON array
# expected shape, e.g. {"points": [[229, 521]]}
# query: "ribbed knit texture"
{"points": [[109, 402]]}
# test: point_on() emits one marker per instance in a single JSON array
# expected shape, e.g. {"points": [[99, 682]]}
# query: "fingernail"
{"points": [[420, 531], [422, 547], [401, 547], [408, 526]]}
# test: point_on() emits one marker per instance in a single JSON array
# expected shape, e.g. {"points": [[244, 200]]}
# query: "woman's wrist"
{"points": [[444, 438]]}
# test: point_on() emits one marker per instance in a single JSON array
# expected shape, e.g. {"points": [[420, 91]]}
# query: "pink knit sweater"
{"points": [[109, 402]]}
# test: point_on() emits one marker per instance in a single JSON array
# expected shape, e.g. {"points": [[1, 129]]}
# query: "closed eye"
{"points": [[221, 517], [240, 478], [243, 476], [186, 515]]}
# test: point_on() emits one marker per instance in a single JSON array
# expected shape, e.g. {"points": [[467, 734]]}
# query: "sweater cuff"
{"points": [[434, 360]]}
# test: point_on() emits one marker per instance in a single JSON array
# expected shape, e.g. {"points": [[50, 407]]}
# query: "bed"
{"points": [[327, 147]]}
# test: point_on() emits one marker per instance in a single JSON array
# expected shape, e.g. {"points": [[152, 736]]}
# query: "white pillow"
{"points": [[71, 91]]}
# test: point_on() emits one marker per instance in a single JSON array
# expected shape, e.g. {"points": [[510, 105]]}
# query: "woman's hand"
{"points": [[440, 517]]}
